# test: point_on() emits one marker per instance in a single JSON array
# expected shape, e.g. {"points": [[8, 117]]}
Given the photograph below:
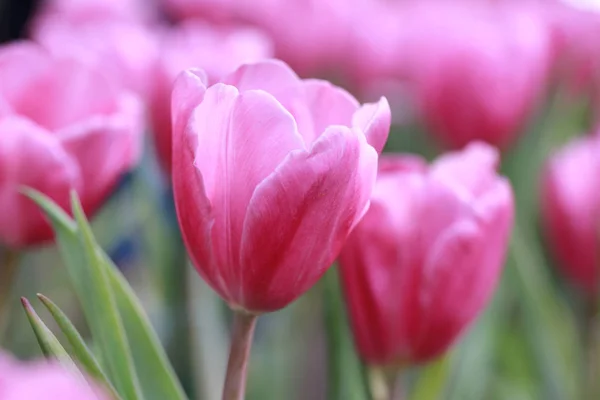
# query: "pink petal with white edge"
{"points": [[20, 64], [30, 156], [299, 217], [235, 133], [374, 119]]}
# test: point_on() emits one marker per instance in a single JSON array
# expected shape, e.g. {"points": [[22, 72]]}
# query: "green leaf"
{"points": [[155, 373], [80, 351], [51, 347], [432, 380], [107, 325]]}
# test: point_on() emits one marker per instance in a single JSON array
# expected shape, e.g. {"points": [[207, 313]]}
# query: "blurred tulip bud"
{"points": [[41, 380], [478, 71], [217, 50], [426, 258], [270, 174], [62, 127], [571, 210]]}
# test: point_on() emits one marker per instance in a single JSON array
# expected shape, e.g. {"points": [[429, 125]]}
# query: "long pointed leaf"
{"points": [[80, 351], [51, 347], [156, 376], [110, 333]]}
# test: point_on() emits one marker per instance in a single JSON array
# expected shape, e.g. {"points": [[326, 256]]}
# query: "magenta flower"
{"points": [[270, 174], [426, 258], [62, 127]]}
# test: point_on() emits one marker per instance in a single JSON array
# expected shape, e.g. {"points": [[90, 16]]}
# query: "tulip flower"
{"points": [[571, 210], [40, 380], [270, 175], [425, 259], [217, 50], [62, 127], [477, 72], [125, 51]]}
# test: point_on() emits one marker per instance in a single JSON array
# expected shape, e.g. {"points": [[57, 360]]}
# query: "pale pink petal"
{"points": [[20, 65], [105, 147], [470, 171], [54, 99], [283, 253], [319, 105], [374, 119], [272, 76], [235, 131], [30, 156]]}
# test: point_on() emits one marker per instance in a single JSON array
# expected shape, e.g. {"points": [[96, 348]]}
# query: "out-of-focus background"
{"points": [[521, 75]]}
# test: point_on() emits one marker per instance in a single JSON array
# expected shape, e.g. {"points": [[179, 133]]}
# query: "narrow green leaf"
{"points": [[80, 351], [155, 373], [110, 333], [432, 380], [51, 347]]}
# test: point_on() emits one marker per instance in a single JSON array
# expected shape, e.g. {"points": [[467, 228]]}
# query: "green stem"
{"points": [[237, 366], [592, 334], [9, 265]]}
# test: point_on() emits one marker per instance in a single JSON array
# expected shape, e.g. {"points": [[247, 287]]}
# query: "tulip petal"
{"points": [[234, 132], [374, 119], [27, 153], [470, 171], [21, 61], [105, 148], [450, 299], [272, 76], [319, 105], [299, 217]]}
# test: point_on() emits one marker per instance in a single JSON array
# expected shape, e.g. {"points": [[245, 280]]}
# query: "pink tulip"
{"points": [[43, 381], [62, 127], [217, 50], [478, 71], [125, 51], [571, 210], [270, 174], [426, 258]]}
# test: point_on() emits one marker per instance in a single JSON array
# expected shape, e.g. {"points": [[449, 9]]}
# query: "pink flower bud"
{"points": [[270, 174], [426, 258], [571, 210], [62, 127]]}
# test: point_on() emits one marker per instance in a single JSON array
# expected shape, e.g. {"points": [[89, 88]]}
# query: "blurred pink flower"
{"points": [[43, 381], [62, 126], [87, 11], [426, 258], [476, 71], [571, 210], [270, 174], [217, 50], [124, 50]]}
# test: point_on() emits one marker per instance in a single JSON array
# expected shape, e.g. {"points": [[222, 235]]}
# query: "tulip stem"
{"points": [[592, 332], [379, 384], [239, 354], [9, 263]]}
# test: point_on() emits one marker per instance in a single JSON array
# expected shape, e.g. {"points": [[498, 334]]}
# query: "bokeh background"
{"points": [[522, 75]]}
